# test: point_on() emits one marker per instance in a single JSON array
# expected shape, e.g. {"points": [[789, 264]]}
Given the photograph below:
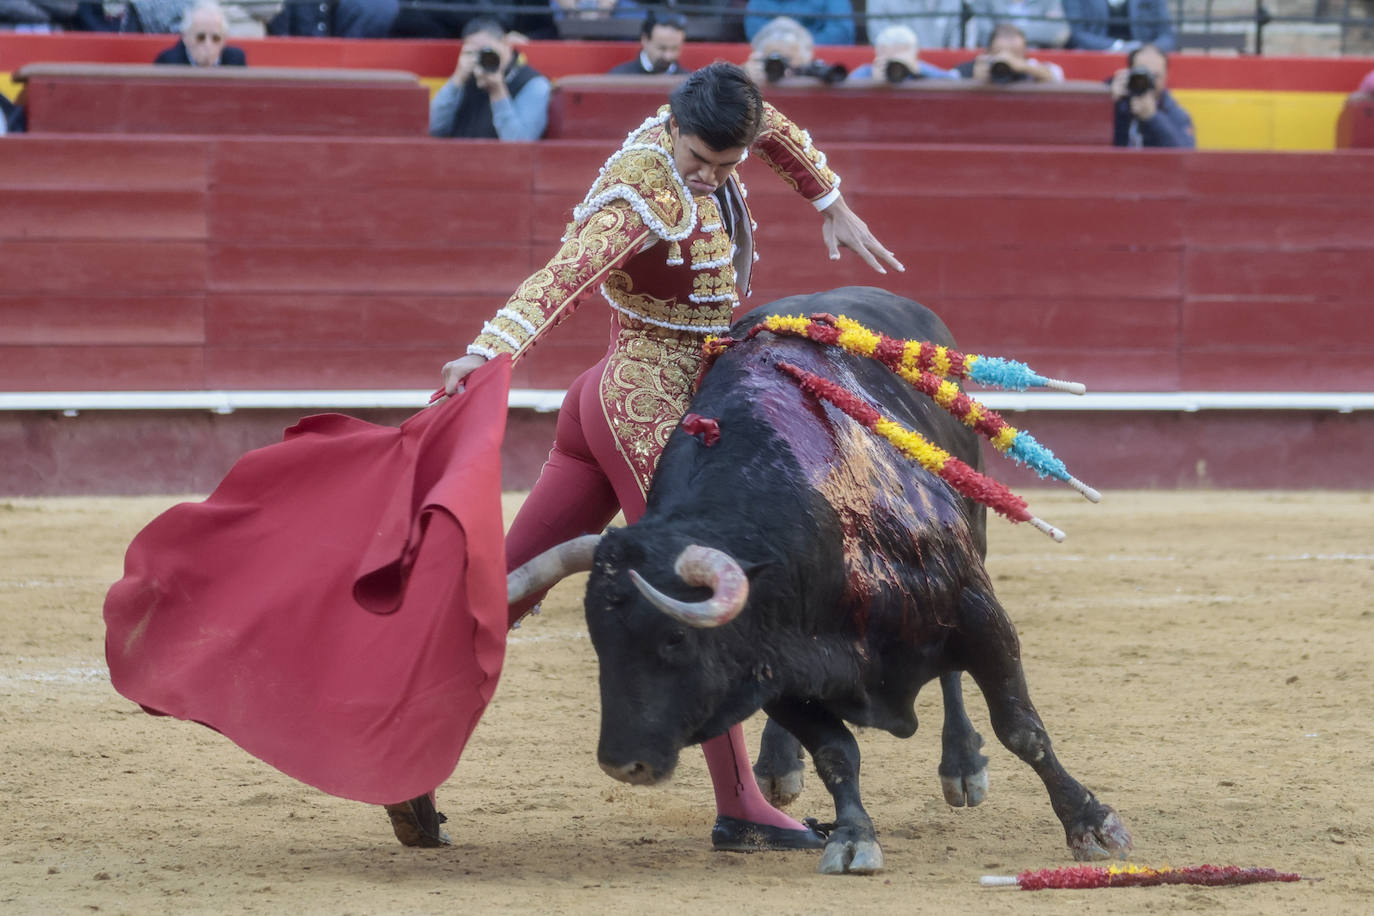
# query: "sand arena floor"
{"points": [[1202, 661]]}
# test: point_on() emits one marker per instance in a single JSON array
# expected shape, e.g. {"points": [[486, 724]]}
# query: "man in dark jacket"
{"points": [[1145, 113], [660, 44], [493, 93], [203, 29]]}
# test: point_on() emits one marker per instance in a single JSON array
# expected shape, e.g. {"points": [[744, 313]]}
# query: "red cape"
{"points": [[337, 607]]}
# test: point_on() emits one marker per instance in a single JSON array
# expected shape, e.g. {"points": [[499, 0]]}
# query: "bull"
{"points": [[788, 561]]}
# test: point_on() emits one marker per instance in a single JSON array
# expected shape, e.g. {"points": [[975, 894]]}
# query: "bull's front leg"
{"points": [[781, 765], [963, 769], [990, 651], [852, 846]]}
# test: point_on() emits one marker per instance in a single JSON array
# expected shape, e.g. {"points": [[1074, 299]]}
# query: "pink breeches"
{"points": [[583, 484]]}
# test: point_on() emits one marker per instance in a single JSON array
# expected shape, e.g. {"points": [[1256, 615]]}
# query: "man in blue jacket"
{"points": [[1146, 114], [1119, 25]]}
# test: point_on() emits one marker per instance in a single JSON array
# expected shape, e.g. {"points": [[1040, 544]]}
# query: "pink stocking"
{"points": [[737, 794]]}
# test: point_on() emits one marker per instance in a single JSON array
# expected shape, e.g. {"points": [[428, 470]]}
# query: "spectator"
{"points": [[660, 45], [365, 18], [896, 58], [493, 92], [1006, 61], [830, 22], [1145, 113], [313, 20], [1119, 25], [36, 15], [203, 30], [782, 46], [582, 20], [935, 22], [1041, 21]]}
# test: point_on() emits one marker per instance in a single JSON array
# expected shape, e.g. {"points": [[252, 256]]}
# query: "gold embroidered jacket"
{"points": [[661, 257]]}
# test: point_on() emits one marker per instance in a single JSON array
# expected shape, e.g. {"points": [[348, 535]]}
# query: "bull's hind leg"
{"points": [[852, 846], [781, 765], [990, 651], [963, 770]]}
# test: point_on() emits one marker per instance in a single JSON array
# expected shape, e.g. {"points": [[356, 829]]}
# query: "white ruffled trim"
{"points": [[674, 262], [711, 228], [695, 329], [724, 297], [623, 192], [512, 315], [718, 262], [494, 331], [479, 350]]}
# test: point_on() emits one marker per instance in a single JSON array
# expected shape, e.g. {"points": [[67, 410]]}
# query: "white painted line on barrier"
{"points": [[71, 403]]}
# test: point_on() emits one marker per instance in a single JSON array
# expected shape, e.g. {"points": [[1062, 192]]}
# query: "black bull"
{"points": [[865, 582]]}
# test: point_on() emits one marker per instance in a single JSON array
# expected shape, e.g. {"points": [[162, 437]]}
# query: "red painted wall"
{"points": [[205, 263], [189, 263]]}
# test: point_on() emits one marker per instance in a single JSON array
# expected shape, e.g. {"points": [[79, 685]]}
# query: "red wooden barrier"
{"points": [[608, 107], [188, 263], [281, 263], [144, 98]]}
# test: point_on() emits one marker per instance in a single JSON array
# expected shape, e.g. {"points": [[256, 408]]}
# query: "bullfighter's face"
{"points": [[703, 169]]}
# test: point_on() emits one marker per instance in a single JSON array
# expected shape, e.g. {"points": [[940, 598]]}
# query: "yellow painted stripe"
{"points": [[1256, 120]]}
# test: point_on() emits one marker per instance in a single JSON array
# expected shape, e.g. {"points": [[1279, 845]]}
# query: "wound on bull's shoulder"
{"points": [[705, 427]]}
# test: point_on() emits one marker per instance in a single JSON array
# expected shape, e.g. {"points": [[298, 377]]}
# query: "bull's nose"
{"points": [[637, 773]]}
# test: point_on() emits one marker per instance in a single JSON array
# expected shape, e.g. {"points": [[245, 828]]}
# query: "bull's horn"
{"points": [[698, 565], [551, 566]]}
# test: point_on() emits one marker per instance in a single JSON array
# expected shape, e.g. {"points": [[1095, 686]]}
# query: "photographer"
{"points": [[784, 48], [493, 93], [896, 59], [1146, 114], [1006, 61]]}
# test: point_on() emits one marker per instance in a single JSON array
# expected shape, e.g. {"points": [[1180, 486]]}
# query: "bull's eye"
{"points": [[675, 639]]}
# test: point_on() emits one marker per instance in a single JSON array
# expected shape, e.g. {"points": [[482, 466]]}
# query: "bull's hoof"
{"points": [[847, 854], [1107, 839], [416, 823], [730, 834], [965, 791], [780, 789]]}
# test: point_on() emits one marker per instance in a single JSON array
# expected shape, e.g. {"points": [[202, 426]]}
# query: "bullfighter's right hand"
{"points": [[457, 370]]}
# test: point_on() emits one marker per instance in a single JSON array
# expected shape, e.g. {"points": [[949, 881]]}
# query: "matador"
{"points": [[665, 235]]}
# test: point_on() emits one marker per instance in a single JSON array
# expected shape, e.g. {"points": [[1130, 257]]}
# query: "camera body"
{"points": [[830, 74], [1139, 81], [894, 71], [1001, 72], [775, 67], [489, 59]]}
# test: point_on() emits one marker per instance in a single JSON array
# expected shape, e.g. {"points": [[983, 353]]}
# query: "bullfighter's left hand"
{"points": [[843, 227]]}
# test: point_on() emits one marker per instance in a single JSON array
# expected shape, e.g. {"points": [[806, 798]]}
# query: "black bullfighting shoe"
{"points": [[734, 835], [416, 823]]}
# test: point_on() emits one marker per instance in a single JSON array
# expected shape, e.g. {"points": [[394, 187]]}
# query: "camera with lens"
{"points": [[489, 59], [897, 72], [1139, 81], [830, 74], [774, 67], [1001, 72]]}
